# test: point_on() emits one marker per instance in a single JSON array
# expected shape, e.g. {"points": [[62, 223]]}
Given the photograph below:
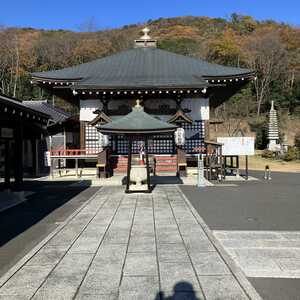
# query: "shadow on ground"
{"points": [[46, 197], [182, 290], [165, 179]]}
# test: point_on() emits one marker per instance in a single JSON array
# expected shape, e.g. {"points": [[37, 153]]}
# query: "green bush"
{"points": [[291, 154], [268, 154]]}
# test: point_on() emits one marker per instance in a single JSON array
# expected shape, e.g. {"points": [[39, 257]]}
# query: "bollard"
{"points": [[267, 175], [200, 177]]}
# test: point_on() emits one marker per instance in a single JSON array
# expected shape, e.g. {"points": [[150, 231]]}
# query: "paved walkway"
{"points": [[273, 254], [120, 246]]}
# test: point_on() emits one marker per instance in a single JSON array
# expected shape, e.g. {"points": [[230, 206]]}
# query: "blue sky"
{"points": [[70, 14]]}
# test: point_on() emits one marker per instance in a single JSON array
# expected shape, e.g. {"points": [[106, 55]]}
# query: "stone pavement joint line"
{"points": [[273, 254], [129, 246]]}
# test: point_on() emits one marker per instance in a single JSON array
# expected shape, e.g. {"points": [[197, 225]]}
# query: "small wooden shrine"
{"points": [[138, 126]]}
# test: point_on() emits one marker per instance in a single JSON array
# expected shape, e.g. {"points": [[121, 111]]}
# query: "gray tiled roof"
{"points": [[143, 67], [9, 101], [137, 121], [57, 114]]}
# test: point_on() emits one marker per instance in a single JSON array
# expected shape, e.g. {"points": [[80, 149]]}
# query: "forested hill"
{"points": [[271, 48]]}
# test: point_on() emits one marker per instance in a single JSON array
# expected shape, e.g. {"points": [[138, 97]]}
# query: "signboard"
{"points": [[7, 133], [237, 145]]}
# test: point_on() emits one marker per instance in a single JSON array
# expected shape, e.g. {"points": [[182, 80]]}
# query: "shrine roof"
{"points": [[137, 122]]}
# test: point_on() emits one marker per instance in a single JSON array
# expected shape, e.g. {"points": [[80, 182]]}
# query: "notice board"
{"points": [[237, 145]]}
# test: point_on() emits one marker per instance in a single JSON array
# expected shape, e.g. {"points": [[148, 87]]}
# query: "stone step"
{"points": [[166, 169], [165, 163], [159, 158]]}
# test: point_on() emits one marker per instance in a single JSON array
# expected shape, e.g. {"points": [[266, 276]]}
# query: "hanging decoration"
{"points": [[103, 140], [180, 137]]}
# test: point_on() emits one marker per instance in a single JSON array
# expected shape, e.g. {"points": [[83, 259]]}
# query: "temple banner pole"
{"points": [[247, 168], [129, 164], [147, 163]]}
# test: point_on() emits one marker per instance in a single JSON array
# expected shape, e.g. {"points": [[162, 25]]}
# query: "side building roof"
{"points": [[57, 114], [18, 108]]}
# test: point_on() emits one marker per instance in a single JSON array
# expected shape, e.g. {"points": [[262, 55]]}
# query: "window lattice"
{"points": [[92, 139], [194, 133]]}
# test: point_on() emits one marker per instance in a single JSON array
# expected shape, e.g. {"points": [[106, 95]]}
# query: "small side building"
{"points": [[59, 137], [21, 130]]}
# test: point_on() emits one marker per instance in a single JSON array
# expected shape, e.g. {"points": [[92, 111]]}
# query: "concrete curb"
{"points": [[33, 251], [235, 270]]}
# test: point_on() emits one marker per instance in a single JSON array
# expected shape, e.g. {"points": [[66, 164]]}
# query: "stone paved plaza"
{"points": [[128, 246], [274, 254]]}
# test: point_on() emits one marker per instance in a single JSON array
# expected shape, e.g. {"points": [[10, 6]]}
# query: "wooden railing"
{"points": [[72, 152]]}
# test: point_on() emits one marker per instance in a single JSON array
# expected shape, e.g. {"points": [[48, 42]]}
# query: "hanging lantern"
{"points": [[179, 137], [103, 140]]}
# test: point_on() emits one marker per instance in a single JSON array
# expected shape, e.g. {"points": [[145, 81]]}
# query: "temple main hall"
{"points": [[171, 87]]}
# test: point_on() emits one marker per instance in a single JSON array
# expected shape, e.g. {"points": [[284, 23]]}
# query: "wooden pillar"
{"points": [[173, 144], [34, 147], [105, 105], [178, 101], [82, 135], [18, 155], [7, 163], [52, 167], [147, 164], [129, 164], [76, 167], [206, 129]]}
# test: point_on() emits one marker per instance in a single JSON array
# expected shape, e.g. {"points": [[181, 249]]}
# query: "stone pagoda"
{"points": [[273, 132]]}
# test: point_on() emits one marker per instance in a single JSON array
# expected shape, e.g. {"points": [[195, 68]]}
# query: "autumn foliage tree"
{"points": [[269, 48], [266, 54]]}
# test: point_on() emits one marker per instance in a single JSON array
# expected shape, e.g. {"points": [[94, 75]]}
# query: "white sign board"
{"points": [[237, 145]]}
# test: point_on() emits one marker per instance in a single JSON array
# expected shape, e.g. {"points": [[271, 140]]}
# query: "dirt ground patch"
{"points": [[258, 163]]}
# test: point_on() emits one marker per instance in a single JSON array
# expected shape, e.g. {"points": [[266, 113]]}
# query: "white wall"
{"points": [[199, 108], [87, 107]]}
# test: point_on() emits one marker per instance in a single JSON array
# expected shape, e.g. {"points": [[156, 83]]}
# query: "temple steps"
{"points": [[164, 164]]}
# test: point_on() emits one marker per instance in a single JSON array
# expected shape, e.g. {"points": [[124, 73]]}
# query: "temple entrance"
{"points": [[162, 145], [157, 145]]}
